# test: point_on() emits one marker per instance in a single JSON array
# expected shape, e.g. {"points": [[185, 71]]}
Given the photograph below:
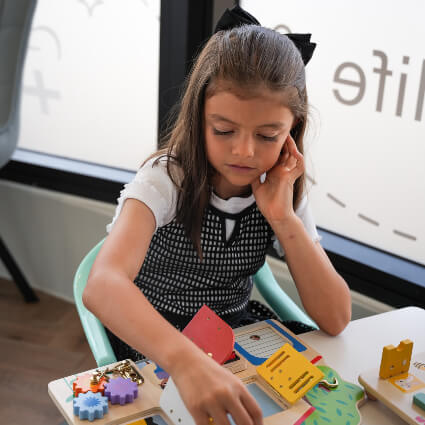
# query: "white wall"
{"points": [[49, 233]]}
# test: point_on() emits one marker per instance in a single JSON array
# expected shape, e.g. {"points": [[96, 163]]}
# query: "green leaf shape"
{"points": [[340, 403]]}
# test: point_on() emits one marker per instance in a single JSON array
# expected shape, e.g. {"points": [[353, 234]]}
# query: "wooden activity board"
{"points": [[253, 345], [398, 392]]}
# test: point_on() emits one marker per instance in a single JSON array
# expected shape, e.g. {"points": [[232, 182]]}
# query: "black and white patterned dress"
{"points": [[177, 283]]}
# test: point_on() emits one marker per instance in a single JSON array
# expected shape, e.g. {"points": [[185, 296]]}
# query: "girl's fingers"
{"points": [[294, 153], [243, 409], [293, 166], [200, 418], [291, 163], [285, 157], [240, 414], [292, 147], [218, 417], [252, 408]]}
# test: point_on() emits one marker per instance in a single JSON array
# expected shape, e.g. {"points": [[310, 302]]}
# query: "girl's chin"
{"points": [[244, 183]]}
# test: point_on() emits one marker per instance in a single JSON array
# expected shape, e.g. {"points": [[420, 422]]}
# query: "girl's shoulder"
{"points": [[155, 184], [160, 170]]}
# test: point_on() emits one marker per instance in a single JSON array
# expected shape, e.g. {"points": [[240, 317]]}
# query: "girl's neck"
{"points": [[226, 191]]}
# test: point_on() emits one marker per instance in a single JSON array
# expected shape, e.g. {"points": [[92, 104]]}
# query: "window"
{"points": [[100, 76], [365, 150], [366, 83], [90, 85], [94, 95]]}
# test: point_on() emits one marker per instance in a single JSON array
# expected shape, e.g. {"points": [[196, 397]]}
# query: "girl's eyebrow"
{"points": [[217, 117], [274, 125]]}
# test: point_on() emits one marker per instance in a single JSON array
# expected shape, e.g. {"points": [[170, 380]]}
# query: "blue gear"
{"points": [[90, 406]]}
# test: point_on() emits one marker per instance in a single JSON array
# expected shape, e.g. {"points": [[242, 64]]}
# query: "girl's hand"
{"points": [[274, 197], [210, 391]]}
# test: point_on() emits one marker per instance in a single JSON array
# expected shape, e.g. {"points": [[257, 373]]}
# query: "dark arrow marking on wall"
{"points": [[404, 235], [369, 220], [337, 201]]}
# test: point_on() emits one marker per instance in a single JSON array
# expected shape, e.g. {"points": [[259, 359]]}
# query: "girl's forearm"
{"points": [[205, 387], [324, 293], [124, 310]]}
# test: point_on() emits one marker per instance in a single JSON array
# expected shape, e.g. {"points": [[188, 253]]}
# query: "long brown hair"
{"points": [[249, 56]]}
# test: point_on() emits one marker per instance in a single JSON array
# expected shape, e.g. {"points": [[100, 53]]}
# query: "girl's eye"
{"points": [[268, 138], [222, 133]]}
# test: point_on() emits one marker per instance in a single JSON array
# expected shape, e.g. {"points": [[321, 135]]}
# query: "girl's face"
{"points": [[244, 137]]}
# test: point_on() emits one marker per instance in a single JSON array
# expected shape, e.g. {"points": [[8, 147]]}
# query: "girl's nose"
{"points": [[243, 147]]}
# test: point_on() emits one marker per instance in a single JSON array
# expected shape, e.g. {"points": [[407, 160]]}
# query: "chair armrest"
{"points": [[97, 339], [92, 326], [278, 300]]}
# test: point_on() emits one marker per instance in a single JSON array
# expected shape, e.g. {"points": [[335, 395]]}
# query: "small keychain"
{"points": [[125, 369]]}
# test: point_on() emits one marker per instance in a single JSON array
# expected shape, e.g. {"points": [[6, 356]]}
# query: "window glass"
{"points": [[90, 85], [366, 144]]}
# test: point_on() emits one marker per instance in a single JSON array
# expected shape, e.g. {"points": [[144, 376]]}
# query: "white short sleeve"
{"points": [[304, 213], [153, 186]]}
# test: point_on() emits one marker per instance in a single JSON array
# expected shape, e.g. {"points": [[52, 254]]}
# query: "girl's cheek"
{"points": [[276, 158], [270, 165]]}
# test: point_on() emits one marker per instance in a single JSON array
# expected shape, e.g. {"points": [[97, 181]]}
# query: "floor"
{"points": [[39, 342]]}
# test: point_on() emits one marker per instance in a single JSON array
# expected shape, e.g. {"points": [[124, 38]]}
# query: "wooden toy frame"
{"points": [[253, 344], [393, 395]]}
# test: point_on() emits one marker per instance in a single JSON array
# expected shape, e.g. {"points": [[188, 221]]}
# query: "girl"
{"points": [[195, 222]]}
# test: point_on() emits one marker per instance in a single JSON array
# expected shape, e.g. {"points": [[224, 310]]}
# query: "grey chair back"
{"points": [[15, 26]]}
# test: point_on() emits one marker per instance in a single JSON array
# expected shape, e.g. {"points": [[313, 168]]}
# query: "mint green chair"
{"points": [[93, 328], [277, 299], [99, 343]]}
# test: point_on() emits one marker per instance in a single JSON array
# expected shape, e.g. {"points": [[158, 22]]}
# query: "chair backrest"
{"points": [[95, 332], [15, 25], [278, 299]]}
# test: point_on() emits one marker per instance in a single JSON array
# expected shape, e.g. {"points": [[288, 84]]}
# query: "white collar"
{"points": [[232, 205]]}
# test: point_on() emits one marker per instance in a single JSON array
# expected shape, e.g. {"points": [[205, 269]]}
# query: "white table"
{"points": [[359, 348]]}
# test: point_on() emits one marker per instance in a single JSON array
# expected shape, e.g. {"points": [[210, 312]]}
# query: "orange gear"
{"points": [[82, 385]]}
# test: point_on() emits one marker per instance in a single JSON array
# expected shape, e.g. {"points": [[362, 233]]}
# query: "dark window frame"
{"points": [[185, 25]]}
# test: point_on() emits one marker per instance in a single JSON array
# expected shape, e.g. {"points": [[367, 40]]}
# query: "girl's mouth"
{"points": [[238, 167]]}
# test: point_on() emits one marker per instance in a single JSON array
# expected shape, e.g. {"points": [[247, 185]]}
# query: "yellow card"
{"points": [[289, 373], [406, 382]]}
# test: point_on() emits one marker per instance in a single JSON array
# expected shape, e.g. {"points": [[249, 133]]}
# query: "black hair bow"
{"points": [[305, 47], [233, 18], [237, 17]]}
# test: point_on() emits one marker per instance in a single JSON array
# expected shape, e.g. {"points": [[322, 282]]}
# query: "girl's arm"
{"points": [[324, 293], [207, 389]]}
